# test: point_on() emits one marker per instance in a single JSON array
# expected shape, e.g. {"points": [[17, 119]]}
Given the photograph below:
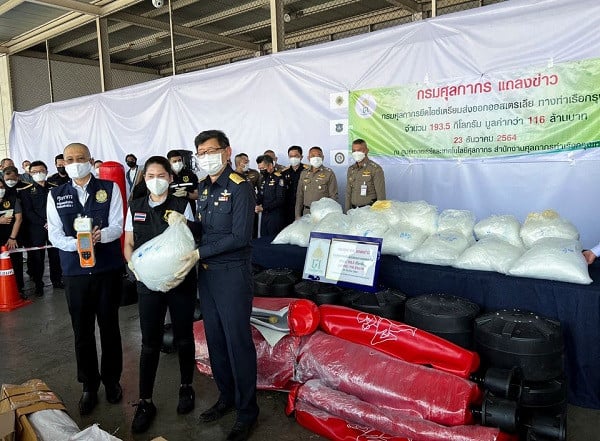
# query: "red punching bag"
{"points": [[114, 171]]}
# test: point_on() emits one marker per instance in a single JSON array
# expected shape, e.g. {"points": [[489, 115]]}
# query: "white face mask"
{"points": [[358, 156], [294, 161], [177, 166], [246, 167], [39, 177], [78, 170], [2, 192], [316, 161], [211, 164], [10, 183], [157, 186]]}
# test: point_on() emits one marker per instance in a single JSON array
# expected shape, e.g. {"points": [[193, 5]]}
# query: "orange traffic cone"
{"points": [[9, 293]]}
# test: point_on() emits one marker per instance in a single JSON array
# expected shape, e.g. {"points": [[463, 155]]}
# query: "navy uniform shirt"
{"points": [[272, 192], [185, 179], [226, 213]]}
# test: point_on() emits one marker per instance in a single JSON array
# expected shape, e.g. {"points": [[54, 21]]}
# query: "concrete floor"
{"points": [[37, 342]]}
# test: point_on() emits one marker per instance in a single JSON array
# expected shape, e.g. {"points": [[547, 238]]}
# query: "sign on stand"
{"points": [[351, 261]]}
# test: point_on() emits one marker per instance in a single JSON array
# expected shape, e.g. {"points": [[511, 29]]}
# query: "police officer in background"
{"points": [[226, 208], [60, 177], [185, 182], [92, 292], [33, 200], [315, 183], [365, 182], [271, 153], [291, 176], [242, 166], [271, 197]]}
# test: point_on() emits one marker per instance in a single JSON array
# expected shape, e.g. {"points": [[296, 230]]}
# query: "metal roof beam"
{"points": [[71, 6], [10, 4], [185, 31], [409, 5]]}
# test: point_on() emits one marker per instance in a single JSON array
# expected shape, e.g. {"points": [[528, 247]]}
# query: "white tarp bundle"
{"points": [[283, 99]]}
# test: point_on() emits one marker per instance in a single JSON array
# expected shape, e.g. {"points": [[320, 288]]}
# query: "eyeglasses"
{"points": [[210, 151]]}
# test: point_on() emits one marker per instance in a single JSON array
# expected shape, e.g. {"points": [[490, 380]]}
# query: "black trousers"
{"points": [[90, 298], [271, 223], [153, 305], [35, 265], [226, 299]]}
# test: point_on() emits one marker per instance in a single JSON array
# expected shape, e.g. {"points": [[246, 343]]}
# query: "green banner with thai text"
{"points": [[538, 110]]}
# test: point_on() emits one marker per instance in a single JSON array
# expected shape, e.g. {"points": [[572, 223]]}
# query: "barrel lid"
{"points": [[517, 331]]}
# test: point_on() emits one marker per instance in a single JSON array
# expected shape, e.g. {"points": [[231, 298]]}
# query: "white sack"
{"points": [[554, 259], [418, 214], [337, 223], [505, 227], [489, 254], [297, 233], [157, 260], [457, 220], [53, 425], [442, 248], [401, 239], [321, 208], [546, 224], [93, 433], [366, 222]]}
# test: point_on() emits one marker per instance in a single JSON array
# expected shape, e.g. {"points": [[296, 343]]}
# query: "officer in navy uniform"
{"points": [[291, 175], [14, 185], [33, 200], [92, 292], [226, 208], [11, 218], [271, 197], [185, 182]]}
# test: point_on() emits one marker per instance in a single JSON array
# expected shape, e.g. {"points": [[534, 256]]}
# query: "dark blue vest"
{"points": [[97, 206]]}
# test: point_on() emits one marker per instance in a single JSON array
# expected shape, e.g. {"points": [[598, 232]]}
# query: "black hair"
{"points": [[11, 169], [316, 148], [295, 147], [130, 155], [59, 156], [173, 154], [264, 158], [37, 164], [160, 160], [210, 134]]}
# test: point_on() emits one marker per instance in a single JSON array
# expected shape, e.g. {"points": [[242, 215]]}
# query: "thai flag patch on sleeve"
{"points": [[139, 217]]}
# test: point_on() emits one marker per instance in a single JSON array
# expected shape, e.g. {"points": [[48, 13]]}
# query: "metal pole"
{"points": [[277, 38], [49, 68], [433, 8], [172, 38]]}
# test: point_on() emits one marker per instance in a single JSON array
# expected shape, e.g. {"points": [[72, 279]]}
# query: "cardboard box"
{"points": [[7, 425], [26, 398]]}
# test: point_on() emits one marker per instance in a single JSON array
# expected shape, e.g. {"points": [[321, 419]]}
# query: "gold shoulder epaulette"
{"points": [[305, 166], [277, 173], [51, 184], [236, 178], [23, 188]]}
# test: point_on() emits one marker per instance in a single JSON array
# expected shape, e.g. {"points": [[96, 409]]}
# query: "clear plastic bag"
{"points": [[157, 260]]}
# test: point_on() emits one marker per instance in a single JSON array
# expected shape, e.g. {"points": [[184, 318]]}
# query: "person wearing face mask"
{"points": [[365, 182], [92, 292], [185, 182], [276, 166], [10, 224], [6, 162], [132, 172], [271, 197], [291, 175], [226, 210], [60, 177], [242, 167], [147, 217], [26, 176], [34, 198], [315, 183], [97, 164]]}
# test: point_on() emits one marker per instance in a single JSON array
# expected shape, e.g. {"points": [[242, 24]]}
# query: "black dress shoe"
{"points": [[144, 415], [187, 400], [58, 285], [114, 393], [240, 431], [218, 411], [87, 402], [39, 290]]}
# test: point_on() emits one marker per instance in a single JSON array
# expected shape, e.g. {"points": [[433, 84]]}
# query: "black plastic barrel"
{"points": [[446, 316], [548, 396], [388, 303], [275, 282], [320, 293], [521, 339]]}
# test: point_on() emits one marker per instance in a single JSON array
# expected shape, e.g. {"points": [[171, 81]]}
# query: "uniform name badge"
{"points": [[363, 189]]}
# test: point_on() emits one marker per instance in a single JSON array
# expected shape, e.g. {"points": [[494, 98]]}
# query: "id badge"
{"points": [[363, 189]]}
